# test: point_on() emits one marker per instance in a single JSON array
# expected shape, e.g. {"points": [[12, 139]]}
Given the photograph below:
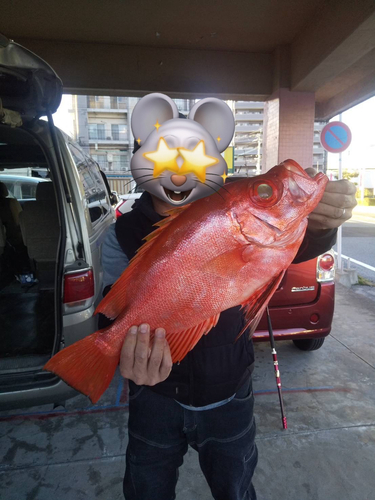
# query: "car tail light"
{"points": [[78, 287], [118, 213], [325, 267]]}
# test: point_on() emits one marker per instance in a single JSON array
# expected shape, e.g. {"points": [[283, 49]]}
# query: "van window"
{"points": [[28, 191], [95, 191]]}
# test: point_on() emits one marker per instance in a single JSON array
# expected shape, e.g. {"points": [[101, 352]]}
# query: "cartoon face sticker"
{"points": [[179, 159]]}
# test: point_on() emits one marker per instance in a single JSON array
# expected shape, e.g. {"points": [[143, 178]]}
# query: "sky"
{"points": [[62, 118], [360, 120], [361, 152]]}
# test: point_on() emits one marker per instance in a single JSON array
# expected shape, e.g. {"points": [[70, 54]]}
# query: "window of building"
{"points": [[120, 162], [118, 102], [95, 101], [96, 131], [101, 160], [119, 132], [182, 104]]}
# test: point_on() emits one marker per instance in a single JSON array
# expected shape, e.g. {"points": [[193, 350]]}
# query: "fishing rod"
{"points": [[277, 371]]}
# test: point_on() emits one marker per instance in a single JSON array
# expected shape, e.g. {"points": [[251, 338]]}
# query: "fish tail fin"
{"points": [[85, 366]]}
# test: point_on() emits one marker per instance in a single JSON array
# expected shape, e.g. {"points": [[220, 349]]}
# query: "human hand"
{"points": [[335, 207], [141, 363]]}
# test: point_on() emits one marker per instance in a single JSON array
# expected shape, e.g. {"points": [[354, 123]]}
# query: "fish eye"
{"points": [[264, 191]]}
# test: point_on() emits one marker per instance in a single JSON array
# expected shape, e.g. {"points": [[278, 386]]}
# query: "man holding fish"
{"points": [[161, 426], [184, 305]]}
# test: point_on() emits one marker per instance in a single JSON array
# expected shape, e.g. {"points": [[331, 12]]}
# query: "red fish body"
{"points": [[225, 250]]}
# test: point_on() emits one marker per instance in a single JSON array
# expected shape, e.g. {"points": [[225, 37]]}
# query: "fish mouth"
{"points": [[177, 196]]}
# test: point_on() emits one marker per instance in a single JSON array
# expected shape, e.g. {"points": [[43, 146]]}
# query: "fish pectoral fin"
{"points": [[257, 303], [180, 343], [227, 263]]}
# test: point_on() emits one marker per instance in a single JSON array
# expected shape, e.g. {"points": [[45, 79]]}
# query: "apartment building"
{"points": [[249, 135], [103, 131], [102, 128]]}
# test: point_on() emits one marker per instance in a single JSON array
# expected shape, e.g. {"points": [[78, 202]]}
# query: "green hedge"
{"points": [[366, 202], [367, 192]]}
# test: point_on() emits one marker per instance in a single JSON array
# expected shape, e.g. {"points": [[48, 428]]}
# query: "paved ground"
{"points": [[358, 243], [328, 452]]}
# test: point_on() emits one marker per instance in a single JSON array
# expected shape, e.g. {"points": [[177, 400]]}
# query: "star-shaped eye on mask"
{"points": [[195, 161], [164, 158]]}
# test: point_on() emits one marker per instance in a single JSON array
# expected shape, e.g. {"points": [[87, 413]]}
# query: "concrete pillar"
{"points": [[288, 128]]}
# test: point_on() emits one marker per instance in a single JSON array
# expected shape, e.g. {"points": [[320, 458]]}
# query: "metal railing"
{"points": [[108, 134]]}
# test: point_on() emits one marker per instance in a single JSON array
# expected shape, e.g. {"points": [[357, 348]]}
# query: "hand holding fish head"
{"points": [[278, 203]]}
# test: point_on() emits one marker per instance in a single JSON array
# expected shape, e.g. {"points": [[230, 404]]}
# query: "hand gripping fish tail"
{"points": [[222, 251]]}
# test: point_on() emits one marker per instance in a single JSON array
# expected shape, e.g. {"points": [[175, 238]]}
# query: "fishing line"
{"points": [[277, 371]]}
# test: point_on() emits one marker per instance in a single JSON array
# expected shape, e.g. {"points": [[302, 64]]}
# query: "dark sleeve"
{"points": [[315, 244], [103, 321]]}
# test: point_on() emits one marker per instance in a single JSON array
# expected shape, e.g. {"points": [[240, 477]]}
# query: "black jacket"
{"points": [[217, 366]]}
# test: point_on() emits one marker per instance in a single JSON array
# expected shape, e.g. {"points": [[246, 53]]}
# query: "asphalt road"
{"points": [[358, 243]]}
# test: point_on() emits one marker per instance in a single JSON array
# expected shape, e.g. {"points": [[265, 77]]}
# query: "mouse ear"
{"points": [[151, 109], [217, 118]]}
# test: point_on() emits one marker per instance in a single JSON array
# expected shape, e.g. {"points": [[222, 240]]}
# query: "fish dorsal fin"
{"points": [[257, 303], [180, 343], [160, 226], [115, 301]]}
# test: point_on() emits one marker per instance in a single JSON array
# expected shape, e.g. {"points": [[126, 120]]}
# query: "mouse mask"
{"points": [[179, 159]]}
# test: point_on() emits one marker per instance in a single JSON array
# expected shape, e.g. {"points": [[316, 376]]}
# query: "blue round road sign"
{"points": [[336, 137]]}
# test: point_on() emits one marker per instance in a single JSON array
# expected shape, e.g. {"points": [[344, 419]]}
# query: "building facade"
{"points": [[102, 128], [248, 139]]}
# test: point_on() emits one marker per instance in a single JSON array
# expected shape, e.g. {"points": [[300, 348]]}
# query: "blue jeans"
{"points": [[160, 431]]}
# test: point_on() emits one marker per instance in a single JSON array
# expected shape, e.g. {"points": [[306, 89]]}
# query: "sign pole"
{"points": [[335, 138], [339, 231]]}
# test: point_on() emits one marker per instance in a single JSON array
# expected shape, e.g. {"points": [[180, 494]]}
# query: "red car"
{"points": [[302, 307]]}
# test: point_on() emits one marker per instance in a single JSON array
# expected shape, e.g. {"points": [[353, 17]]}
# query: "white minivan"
{"points": [[50, 243]]}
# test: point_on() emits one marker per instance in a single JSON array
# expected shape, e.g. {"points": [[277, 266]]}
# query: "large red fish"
{"points": [[228, 249]]}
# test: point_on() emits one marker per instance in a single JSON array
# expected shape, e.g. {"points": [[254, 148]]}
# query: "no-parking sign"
{"points": [[335, 137]]}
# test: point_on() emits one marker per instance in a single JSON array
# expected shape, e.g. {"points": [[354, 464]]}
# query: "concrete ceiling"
{"points": [[243, 49]]}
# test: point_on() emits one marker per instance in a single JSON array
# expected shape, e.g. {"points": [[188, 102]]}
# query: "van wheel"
{"points": [[309, 344]]}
